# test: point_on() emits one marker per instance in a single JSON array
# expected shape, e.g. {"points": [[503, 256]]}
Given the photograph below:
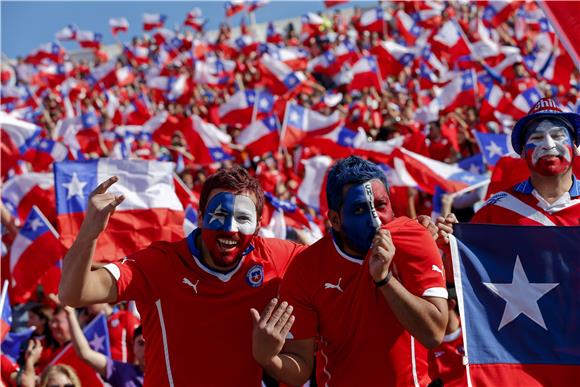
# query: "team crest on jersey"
{"points": [[255, 276]]}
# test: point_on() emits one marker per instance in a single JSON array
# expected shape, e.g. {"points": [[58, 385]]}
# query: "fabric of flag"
{"points": [[518, 303], [526, 100], [118, 25], [22, 192], [493, 146], [207, 143], [311, 25], [459, 92], [238, 109], [14, 343], [153, 20], [449, 41], [17, 137], [43, 152], [97, 334], [497, 12], [34, 251], [151, 210], [6, 310], [429, 173], [194, 19], [233, 7], [301, 122], [255, 4], [190, 220], [407, 26], [473, 164], [67, 33], [373, 20], [393, 57], [260, 136], [312, 190], [279, 77], [365, 73], [89, 39]]}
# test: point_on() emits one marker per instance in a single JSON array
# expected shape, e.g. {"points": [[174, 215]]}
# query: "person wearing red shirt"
{"points": [[547, 138], [371, 293], [193, 295]]}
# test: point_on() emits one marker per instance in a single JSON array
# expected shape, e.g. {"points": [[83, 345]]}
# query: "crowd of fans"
{"points": [[52, 91]]}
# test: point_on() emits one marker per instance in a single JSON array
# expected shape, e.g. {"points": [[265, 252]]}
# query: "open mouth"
{"points": [[227, 243]]}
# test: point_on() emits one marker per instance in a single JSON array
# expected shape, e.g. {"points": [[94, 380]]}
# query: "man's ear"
{"points": [[334, 218]]}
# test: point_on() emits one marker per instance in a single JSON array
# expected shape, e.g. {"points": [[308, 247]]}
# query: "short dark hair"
{"points": [[352, 170], [138, 332], [235, 179]]}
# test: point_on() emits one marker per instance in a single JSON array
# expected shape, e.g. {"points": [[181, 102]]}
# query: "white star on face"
{"points": [[494, 149], [216, 215], [521, 296], [35, 223], [97, 343], [75, 187]]}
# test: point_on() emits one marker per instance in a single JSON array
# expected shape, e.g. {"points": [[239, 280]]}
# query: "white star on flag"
{"points": [[98, 343], [295, 118], [216, 215], [493, 149], [264, 103], [348, 140], [75, 187], [473, 168], [35, 224], [521, 296]]}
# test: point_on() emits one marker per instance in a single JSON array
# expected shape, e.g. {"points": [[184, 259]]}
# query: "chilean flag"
{"points": [[16, 137], [263, 106], [498, 11], [14, 343], [67, 33], [373, 20], [294, 57], [153, 20], [393, 57], [214, 72], [139, 54], [312, 190], [43, 152], [407, 26], [97, 335], [233, 7], [459, 92], [429, 173], [449, 41], [238, 108], [301, 122], [190, 220], [517, 288], [89, 39], [6, 310], [493, 146], [260, 136], [365, 73], [151, 210], [34, 251], [51, 51], [311, 25], [118, 25], [279, 77], [194, 19], [207, 143], [22, 192], [526, 100]]}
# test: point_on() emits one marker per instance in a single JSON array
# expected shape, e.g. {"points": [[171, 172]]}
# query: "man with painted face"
{"points": [[193, 295], [547, 138], [371, 293]]}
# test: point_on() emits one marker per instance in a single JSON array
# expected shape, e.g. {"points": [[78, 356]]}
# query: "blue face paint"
{"points": [[365, 207]]}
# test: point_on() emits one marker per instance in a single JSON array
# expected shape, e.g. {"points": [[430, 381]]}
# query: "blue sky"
{"points": [[28, 24]]}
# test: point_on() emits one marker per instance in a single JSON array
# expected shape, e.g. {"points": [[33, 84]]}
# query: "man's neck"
{"points": [[551, 188], [207, 259]]}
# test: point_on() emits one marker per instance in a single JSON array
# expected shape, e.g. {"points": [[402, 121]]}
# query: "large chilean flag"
{"points": [[301, 122], [260, 136], [151, 210]]}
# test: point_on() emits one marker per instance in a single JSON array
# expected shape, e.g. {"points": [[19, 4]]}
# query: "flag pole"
{"points": [[3, 297]]}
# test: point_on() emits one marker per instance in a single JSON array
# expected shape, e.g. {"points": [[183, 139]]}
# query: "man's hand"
{"points": [[425, 221], [381, 255], [33, 351], [445, 227], [100, 207], [270, 330]]}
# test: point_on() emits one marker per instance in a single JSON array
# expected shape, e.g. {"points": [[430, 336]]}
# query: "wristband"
{"points": [[384, 281]]}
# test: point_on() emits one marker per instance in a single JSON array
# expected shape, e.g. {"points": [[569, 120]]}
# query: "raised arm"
{"points": [[95, 359], [81, 284], [425, 318]]}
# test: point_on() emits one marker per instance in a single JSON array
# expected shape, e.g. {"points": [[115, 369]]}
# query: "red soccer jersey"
{"points": [[521, 205], [335, 300], [121, 326], [196, 322], [446, 361]]}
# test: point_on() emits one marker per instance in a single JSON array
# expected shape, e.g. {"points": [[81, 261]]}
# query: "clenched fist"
{"points": [[100, 207], [381, 255]]}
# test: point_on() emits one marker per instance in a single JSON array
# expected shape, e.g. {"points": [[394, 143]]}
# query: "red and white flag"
{"points": [[260, 136], [373, 20], [22, 192], [233, 7], [238, 109], [279, 77], [89, 39], [153, 20], [118, 25], [207, 143], [312, 190], [301, 122]]}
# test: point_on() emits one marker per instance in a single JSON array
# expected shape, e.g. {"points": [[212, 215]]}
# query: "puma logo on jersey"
{"points": [[189, 283], [328, 285], [436, 268]]}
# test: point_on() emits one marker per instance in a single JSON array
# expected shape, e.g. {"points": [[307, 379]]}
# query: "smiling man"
{"points": [[368, 294], [193, 295], [547, 138]]}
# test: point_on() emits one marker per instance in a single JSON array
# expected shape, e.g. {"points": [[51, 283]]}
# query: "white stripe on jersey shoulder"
{"points": [[436, 292], [345, 255], [165, 346], [114, 270], [510, 202], [224, 277]]}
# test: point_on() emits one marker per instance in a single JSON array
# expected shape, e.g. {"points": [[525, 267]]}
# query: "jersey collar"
{"points": [[527, 188], [346, 256], [196, 254]]}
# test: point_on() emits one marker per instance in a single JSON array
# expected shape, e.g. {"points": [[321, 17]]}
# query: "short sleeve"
{"points": [[297, 290], [417, 261], [135, 274], [282, 253]]}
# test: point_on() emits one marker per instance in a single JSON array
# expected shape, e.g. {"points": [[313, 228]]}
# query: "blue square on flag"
{"points": [[518, 290], [73, 183], [493, 146]]}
